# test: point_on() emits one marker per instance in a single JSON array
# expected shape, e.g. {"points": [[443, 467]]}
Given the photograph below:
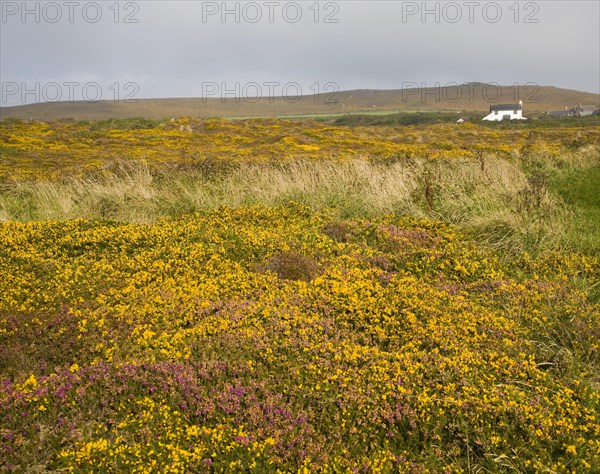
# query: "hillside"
{"points": [[470, 98]]}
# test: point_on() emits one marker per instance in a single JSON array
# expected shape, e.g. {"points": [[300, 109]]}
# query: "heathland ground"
{"points": [[205, 295]]}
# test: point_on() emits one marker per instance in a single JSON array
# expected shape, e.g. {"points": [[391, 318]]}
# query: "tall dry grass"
{"points": [[501, 201]]}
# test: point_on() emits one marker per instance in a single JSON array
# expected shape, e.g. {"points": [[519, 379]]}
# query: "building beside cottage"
{"points": [[501, 112], [579, 111], [561, 113]]}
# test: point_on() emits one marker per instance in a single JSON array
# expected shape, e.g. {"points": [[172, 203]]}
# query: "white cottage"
{"points": [[505, 112]]}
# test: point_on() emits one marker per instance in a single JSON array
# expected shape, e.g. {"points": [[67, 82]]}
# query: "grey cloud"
{"points": [[171, 51]]}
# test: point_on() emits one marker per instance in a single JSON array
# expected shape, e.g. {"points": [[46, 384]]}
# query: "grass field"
{"points": [[296, 296]]}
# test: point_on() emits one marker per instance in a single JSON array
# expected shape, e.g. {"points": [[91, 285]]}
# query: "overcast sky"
{"points": [[147, 49]]}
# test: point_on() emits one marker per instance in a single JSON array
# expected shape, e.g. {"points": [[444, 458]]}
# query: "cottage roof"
{"points": [[560, 113], [499, 107], [590, 108]]}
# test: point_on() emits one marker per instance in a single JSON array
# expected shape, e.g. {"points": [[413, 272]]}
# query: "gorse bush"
{"points": [[208, 342], [123, 124], [37, 150], [271, 296]]}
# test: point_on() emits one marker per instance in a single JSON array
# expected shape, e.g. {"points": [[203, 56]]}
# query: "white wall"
{"points": [[497, 117]]}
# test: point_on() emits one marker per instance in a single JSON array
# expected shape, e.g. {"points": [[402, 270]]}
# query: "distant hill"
{"points": [[471, 97]]}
